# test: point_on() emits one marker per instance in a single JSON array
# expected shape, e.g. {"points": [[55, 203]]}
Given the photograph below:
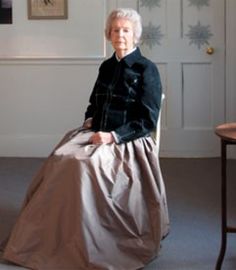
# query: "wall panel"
{"points": [[79, 36], [197, 96], [40, 102]]}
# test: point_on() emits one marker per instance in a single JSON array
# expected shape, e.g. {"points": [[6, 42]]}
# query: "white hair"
{"points": [[129, 14]]}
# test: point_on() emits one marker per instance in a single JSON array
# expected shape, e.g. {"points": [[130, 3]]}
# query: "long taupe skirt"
{"points": [[92, 207]]}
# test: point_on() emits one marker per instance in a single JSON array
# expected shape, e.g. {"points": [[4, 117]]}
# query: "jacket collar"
{"points": [[131, 58]]}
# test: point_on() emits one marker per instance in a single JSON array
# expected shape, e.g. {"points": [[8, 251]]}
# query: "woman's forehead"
{"points": [[122, 22]]}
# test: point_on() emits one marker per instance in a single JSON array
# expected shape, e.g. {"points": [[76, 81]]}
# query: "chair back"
{"points": [[156, 134]]}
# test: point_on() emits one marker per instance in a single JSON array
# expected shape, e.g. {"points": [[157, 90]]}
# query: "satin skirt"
{"points": [[92, 207]]}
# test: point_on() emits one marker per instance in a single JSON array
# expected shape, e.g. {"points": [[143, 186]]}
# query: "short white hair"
{"points": [[129, 14]]}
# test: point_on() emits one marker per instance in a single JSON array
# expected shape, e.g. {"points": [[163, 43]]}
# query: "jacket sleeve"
{"points": [[91, 108], [148, 106]]}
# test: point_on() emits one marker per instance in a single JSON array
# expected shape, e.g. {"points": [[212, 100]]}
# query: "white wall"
{"points": [[231, 67], [231, 62], [47, 71], [40, 101], [81, 36]]}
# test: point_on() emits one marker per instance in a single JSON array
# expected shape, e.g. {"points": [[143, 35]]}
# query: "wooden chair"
{"points": [[157, 133], [165, 223]]}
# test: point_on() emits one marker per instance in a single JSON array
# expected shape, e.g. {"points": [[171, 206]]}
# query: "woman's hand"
{"points": [[101, 138], [88, 123]]}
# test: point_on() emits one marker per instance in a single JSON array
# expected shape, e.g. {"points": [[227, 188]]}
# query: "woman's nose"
{"points": [[121, 32]]}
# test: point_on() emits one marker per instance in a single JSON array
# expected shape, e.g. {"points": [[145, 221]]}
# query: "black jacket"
{"points": [[126, 97]]}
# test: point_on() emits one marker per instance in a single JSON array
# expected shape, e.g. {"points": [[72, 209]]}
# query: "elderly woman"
{"points": [[99, 200]]}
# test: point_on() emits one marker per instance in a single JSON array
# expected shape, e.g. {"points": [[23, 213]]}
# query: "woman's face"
{"points": [[122, 35]]}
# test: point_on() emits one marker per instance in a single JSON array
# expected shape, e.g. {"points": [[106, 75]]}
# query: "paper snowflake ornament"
{"points": [[199, 3], [199, 34], [150, 3], [152, 35]]}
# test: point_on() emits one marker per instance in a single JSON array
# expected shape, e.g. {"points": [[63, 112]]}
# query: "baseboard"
{"points": [[28, 145]]}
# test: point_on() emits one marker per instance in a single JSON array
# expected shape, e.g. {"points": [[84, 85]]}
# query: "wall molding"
{"points": [[50, 60]]}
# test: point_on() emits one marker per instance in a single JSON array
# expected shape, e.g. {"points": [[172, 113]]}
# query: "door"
{"points": [[185, 38]]}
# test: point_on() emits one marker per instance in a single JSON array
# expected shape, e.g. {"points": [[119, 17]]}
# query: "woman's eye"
{"points": [[117, 30]]}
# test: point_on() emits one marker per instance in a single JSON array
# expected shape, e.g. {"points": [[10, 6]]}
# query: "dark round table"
{"points": [[227, 134]]}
